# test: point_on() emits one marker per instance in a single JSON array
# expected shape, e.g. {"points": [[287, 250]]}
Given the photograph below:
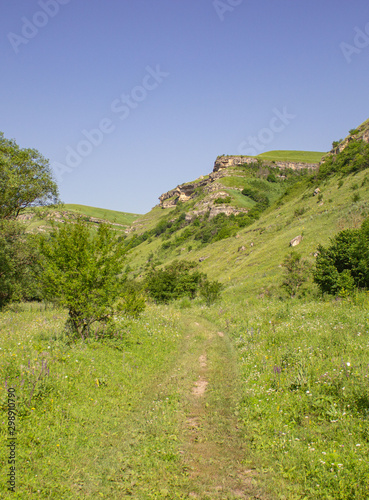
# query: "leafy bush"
{"points": [[174, 281], [272, 178], [296, 273], [354, 158], [18, 262], [345, 263], [82, 271], [210, 291], [221, 201]]}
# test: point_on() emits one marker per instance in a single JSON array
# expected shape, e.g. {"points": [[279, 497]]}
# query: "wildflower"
{"points": [[348, 364]]}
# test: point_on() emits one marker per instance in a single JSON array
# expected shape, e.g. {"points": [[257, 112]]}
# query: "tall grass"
{"points": [[305, 402]]}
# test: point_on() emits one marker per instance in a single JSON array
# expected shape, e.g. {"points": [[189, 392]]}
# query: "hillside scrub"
{"points": [[344, 264], [353, 158], [181, 279]]}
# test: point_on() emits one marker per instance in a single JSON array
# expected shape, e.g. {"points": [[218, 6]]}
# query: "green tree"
{"points": [[18, 262], [25, 179], [82, 270]]}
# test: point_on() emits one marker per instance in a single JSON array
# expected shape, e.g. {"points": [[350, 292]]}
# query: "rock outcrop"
{"points": [[230, 161], [360, 134]]}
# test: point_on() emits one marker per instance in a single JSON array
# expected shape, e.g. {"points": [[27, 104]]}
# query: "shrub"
{"points": [[210, 291], [174, 281], [296, 273], [272, 178], [354, 158], [221, 201], [19, 260], [345, 263], [356, 197], [82, 271]]}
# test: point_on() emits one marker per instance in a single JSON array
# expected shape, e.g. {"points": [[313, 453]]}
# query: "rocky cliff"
{"points": [[230, 161], [359, 134], [185, 192]]}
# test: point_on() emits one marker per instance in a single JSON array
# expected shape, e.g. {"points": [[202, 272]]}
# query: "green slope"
{"points": [[258, 267], [103, 213], [293, 156]]}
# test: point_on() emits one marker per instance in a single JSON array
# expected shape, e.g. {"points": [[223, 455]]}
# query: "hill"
{"points": [[239, 220], [40, 219]]}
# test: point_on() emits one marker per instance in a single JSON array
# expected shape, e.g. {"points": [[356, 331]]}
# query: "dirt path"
{"points": [[213, 451]]}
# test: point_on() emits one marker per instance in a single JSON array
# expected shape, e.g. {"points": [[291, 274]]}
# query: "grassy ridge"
{"points": [[292, 156], [102, 213]]}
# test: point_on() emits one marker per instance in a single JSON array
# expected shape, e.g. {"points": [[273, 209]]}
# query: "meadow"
{"points": [[287, 401], [305, 401]]}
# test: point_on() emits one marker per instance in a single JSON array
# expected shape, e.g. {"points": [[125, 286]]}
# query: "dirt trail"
{"points": [[215, 457]]}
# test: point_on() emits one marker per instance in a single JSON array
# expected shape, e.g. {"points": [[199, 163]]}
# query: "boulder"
{"points": [[296, 241]]}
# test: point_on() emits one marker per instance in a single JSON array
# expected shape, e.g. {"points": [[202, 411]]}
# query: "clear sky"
{"points": [[129, 98]]}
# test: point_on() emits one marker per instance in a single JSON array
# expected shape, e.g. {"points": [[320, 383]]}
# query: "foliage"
{"points": [[221, 201], [132, 301], [210, 291], [25, 179], [272, 177], [18, 261], [256, 196], [82, 271], [353, 158], [345, 263], [176, 280], [296, 273]]}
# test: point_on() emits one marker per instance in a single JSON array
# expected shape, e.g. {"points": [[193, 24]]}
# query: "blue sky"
{"points": [[130, 98]]}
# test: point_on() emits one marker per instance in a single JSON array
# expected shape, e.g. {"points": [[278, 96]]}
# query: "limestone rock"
{"points": [[296, 241]]}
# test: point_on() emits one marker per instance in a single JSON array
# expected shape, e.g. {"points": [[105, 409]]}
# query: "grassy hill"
{"points": [[40, 219], [123, 218], [293, 156]]}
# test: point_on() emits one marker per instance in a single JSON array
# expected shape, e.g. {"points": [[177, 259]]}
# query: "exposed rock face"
{"points": [[362, 134], [230, 161], [185, 192]]}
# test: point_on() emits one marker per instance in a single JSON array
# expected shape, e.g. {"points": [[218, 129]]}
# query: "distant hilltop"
{"points": [[230, 161], [294, 160]]}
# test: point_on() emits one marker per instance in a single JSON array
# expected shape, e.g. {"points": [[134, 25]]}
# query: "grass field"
{"points": [[293, 156], [210, 402]]}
